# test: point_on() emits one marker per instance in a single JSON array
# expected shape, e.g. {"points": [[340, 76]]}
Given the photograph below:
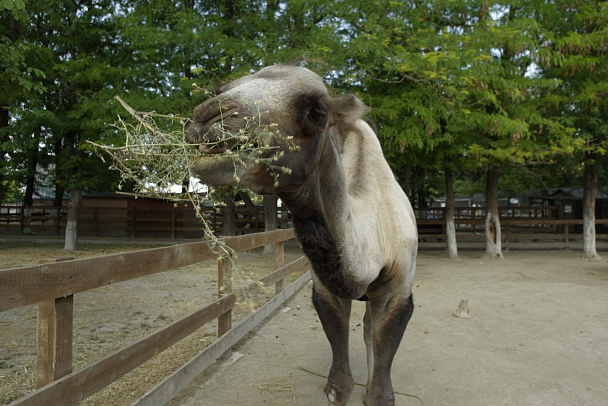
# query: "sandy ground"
{"points": [[537, 335]]}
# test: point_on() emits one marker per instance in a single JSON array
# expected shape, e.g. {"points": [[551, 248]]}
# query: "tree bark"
{"points": [[58, 182], [71, 229], [59, 185], [59, 191], [270, 219], [450, 226], [589, 194], [30, 181], [492, 223], [406, 183], [4, 120]]}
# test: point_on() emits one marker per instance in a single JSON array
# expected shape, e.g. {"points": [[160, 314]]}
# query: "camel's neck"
{"points": [[324, 197], [325, 219]]}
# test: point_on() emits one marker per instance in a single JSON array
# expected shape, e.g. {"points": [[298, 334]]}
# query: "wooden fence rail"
{"points": [[518, 222], [513, 229], [52, 286], [176, 221]]}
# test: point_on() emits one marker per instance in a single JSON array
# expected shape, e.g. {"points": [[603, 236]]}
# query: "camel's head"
{"points": [[281, 115]]}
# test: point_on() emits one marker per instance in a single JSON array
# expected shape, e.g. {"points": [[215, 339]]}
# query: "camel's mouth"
{"points": [[215, 124], [216, 136], [210, 150], [217, 139], [223, 129]]}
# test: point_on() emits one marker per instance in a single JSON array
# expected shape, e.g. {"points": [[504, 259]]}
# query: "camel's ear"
{"points": [[346, 110]]}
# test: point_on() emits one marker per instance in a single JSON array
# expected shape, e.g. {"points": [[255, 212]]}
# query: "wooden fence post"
{"points": [[279, 255], [54, 341], [224, 287]]}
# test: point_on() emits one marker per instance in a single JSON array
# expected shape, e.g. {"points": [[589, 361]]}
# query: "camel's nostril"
{"points": [[213, 109], [212, 119]]}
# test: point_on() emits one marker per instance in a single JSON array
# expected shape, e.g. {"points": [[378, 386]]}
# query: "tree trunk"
{"points": [[270, 219], [75, 184], [71, 229], [492, 223], [450, 227], [406, 181], [589, 194], [30, 182], [59, 191], [59, 184], [57, 203], [420, 192], [229, 224], [4, 120]]}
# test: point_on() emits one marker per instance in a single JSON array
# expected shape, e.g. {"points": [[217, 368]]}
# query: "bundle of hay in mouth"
{"points": [[157, 157], [239, 137], [155, 160]]}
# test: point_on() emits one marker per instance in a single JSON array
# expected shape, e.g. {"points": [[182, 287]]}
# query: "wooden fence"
{"points": [[52, 286], [177, 221], [519, 224]]}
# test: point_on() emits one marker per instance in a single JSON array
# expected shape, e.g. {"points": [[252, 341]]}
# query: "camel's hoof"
{"points": [[331, 396], [379, 399], [337, 396]]}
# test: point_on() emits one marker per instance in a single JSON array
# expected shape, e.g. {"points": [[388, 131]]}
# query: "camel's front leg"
{"points": [[334, 314], [389, 318]]}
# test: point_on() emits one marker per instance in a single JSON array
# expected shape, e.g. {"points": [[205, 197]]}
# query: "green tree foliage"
{"points": [[575, 57], [458, 86], [75, 47], [19, 80]]}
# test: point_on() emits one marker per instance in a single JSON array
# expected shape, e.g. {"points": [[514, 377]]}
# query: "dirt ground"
{"points": [[537, 335]]}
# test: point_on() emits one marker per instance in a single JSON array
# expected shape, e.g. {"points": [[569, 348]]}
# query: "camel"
{"points": [[350, 216]]}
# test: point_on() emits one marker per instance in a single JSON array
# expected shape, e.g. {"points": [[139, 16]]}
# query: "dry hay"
{"points": [[156, 156]]}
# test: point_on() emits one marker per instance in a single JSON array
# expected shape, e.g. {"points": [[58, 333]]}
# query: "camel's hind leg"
{"points": [[334, 314], [389, 318]]}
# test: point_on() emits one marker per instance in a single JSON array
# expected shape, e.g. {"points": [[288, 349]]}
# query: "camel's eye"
{"points": [[313, 113], [317, 116]]}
